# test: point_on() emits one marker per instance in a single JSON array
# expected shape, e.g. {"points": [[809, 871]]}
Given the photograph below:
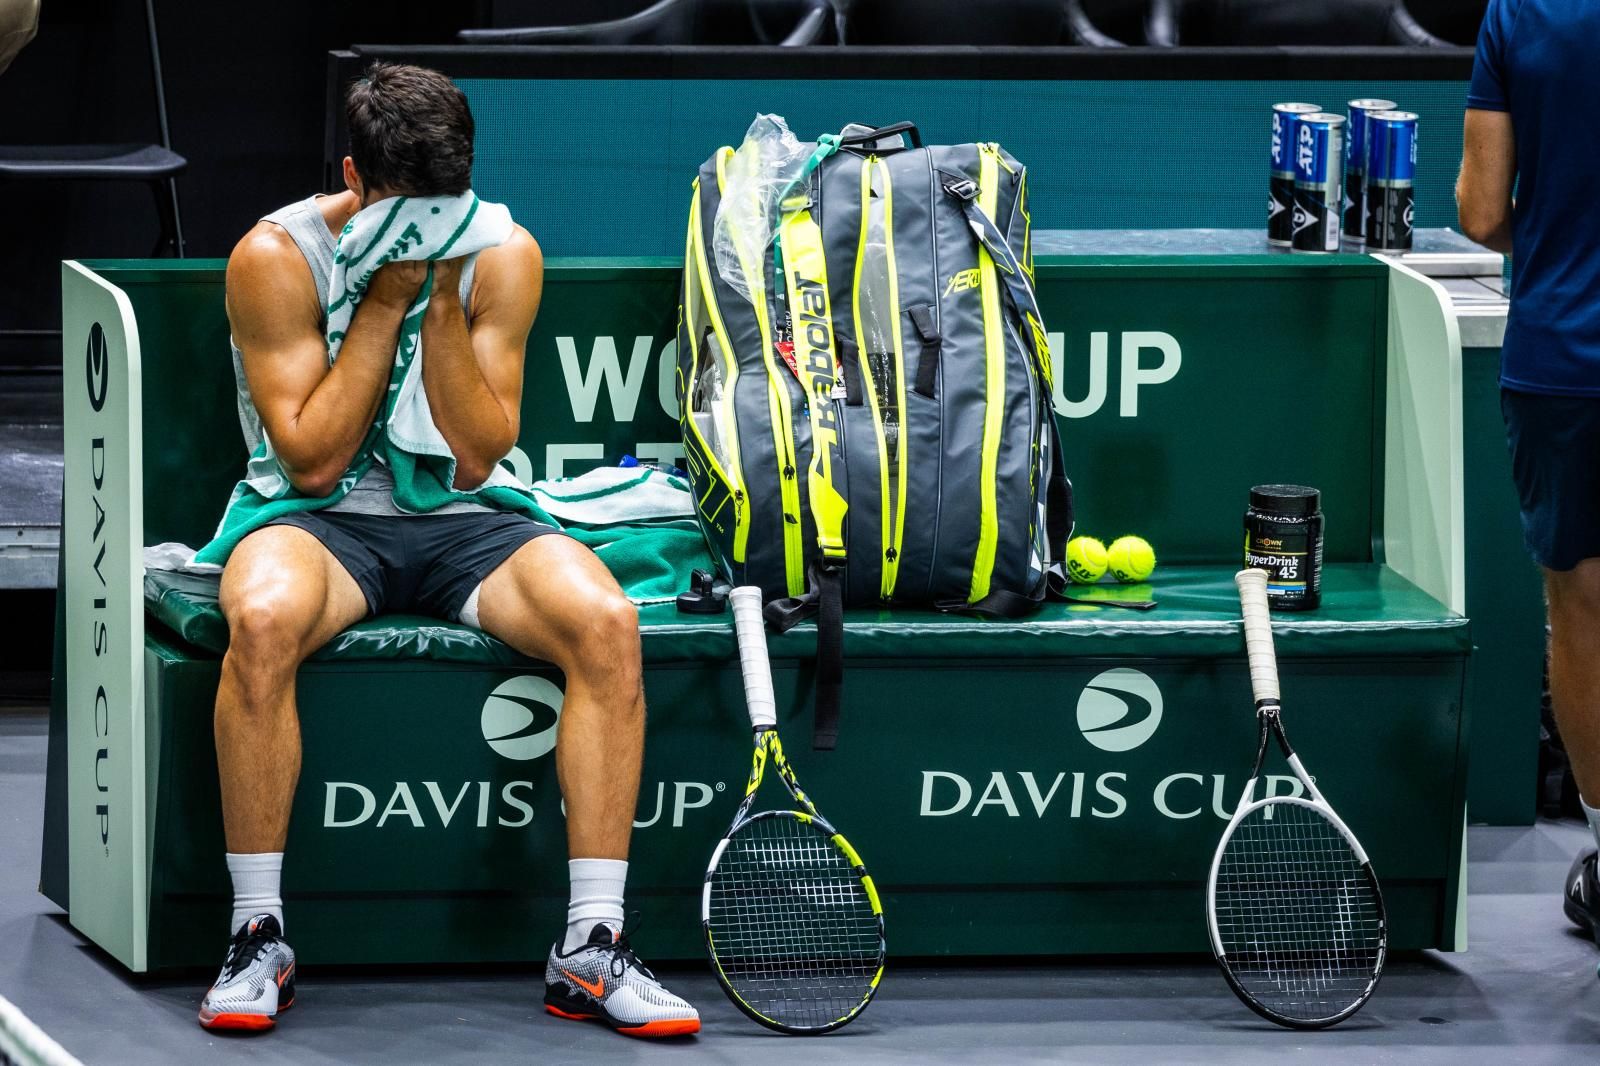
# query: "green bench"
{"points": [[1075, 767]]}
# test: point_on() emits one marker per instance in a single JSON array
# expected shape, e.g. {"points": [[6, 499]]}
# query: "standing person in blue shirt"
{"points": [[1530, 125]]}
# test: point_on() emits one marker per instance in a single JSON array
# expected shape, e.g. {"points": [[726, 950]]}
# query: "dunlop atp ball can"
{"points": [[1355, 164], [1391, 171], [1280, 193], [1318, 170]]}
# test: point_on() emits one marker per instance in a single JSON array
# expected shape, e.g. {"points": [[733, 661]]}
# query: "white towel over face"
{"points": [[421, 228]]}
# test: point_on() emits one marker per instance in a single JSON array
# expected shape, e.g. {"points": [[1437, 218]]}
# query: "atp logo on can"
{"points": [[520, 717], [1119, 709]]}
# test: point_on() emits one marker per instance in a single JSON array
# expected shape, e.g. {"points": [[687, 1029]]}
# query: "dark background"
{"points": [[246, 85], [245, 96]]}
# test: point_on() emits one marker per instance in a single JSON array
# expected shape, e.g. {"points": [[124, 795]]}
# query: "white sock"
{"points": [[596, 897], [1594, 819], [256, 889]]}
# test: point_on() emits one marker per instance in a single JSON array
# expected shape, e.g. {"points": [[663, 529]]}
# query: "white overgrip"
{"points": [[751, 633], [1258, 633]]}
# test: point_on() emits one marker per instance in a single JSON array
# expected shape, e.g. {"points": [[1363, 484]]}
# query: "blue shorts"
{"points": [[420, 564], [1555, 461]]}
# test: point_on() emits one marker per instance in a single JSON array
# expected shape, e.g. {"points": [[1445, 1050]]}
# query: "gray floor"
{"points": [[1525, 992]]}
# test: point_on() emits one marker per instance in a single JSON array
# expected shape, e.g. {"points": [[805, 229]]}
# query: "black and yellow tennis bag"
{"points": [[864, 380]]}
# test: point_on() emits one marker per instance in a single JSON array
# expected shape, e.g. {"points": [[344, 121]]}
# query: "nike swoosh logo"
{"points": [[1135, 704], [283, 975], [597, 990]]}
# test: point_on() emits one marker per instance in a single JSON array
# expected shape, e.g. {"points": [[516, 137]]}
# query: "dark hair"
{"points": [[410, 131]]}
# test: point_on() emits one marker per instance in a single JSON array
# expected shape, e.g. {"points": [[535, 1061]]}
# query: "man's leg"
{"points": [[284, 595], [1574, 598], [554, 600]]}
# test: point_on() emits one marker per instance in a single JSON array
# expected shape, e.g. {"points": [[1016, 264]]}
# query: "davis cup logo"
{"points": [[520, 717], [1119, 710]]}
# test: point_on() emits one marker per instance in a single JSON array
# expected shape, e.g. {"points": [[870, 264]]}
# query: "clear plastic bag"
{"points": [[760, 173]]}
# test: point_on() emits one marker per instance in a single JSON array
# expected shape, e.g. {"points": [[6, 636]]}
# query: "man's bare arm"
{"points": [[1488, 171], [474, 379], [316, 417]]}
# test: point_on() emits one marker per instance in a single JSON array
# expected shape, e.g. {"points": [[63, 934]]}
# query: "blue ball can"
{"points": [[1391, 174], [1355, 164], [1280, 193], [1318, 184]]}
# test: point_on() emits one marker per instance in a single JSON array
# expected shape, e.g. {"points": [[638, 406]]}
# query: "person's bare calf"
{"points": [[1574, 598]]}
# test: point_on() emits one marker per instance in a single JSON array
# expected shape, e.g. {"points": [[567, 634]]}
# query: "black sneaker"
{"points": [[257, 980], [1582, 902]]}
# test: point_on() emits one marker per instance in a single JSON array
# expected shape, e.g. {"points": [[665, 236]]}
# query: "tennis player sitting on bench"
{"points": [[292, 584]]}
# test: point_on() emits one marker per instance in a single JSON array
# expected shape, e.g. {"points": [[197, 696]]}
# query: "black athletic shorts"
{"points": [[1555, 461], [421, 564]]}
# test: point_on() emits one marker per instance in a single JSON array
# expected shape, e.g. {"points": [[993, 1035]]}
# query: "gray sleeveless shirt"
{"points": [[304, 223]]}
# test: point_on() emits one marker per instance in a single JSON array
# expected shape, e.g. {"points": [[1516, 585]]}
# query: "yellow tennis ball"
{"points": [[1131, 559], [1086, 560]]}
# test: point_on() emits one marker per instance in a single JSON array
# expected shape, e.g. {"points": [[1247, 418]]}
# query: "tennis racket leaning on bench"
{"points": [[792, 920], [1293, 909]]}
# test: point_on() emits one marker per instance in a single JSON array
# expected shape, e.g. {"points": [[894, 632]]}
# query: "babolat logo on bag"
{"points": [[849, 470]]}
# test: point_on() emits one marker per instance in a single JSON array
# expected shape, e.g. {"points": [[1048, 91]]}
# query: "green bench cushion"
{"points": [[1367, 610]]}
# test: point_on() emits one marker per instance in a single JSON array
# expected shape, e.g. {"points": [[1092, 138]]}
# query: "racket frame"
{"points": [[769, 749], [1269, 719]]}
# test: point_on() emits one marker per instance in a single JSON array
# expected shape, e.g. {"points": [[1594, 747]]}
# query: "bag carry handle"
{"points": [[908, 128]]}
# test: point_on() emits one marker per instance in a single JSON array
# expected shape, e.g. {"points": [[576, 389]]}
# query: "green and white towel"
{"points": [[638, 520], [404, 437]]}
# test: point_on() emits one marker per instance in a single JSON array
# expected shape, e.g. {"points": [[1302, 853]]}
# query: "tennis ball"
{"points": [[1131, 559], [1086, 560]]}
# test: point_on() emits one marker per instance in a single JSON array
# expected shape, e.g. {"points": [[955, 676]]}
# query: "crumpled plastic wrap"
{"points": [[758, 176]]}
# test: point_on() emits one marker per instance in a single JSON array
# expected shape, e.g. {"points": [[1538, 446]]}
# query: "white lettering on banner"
{"points": [[1032, 787], [1100, 786], [510, 800], [1219, 801], [520, 465], [401, 802], [661, 791], [680, 792], [445, 813], [369, 804], [1096, 395], [1161, 795], [667, 380], [1174, 796], [583, 388], [963, 793], [1133, 375], [996, 793], [556, 456]]}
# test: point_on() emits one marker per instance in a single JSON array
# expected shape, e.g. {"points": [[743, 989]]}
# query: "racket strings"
{"points": [[791, 925], [1300, 922]]}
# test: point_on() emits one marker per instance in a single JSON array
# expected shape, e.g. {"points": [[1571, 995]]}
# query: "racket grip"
{"points": [[751, 633], [1258, 633]]}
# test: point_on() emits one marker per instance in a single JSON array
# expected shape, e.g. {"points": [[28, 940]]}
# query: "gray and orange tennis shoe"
{"points": [[257, 979], [604, 981]]}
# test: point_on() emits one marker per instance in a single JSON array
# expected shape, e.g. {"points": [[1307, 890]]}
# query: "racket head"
{"points": [[1294, 912], [792, 923]]}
